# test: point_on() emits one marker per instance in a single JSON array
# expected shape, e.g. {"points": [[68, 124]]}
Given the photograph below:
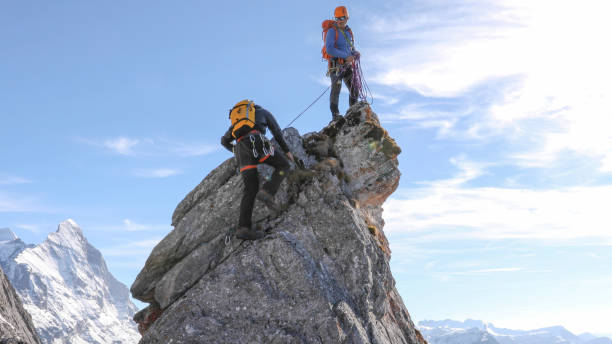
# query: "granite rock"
{"points": [[16, 325], [320, 275]]}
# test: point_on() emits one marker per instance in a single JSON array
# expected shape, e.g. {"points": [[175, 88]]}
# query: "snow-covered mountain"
{"points": [[66, 287], [475, 331]]}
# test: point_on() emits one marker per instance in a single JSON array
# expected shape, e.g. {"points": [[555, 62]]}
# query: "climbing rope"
{"points": [[359, 82], [311, 104]]}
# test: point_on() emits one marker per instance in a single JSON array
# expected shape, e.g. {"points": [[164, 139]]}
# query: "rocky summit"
{"points": [[320, 275]]}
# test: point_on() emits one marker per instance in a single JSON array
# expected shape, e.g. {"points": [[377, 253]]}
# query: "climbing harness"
{"points": [[255, 154], [336, 66], [260, 151]]}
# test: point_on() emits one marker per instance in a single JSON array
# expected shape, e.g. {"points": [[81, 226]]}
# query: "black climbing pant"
{"points": [[251, 151], [336, 85]]}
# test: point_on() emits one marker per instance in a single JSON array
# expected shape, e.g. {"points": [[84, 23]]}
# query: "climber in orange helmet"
{"points": [[340, 46]]}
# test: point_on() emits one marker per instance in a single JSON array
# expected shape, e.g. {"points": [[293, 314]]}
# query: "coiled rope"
{"points": [[360, 83]]}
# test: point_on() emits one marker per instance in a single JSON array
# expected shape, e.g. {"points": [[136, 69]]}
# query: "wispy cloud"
{"points": [[488, 271], [547, 82], [387, 100], [152, 147], [442, 51], [121, 145], [446, 276], [34, 228], [188, 150], [448, 209], [132, 226], [10, 203], [156, 173], [11, 180], [128, 225], [131, 249]]}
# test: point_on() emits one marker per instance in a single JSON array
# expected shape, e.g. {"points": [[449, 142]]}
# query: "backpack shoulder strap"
{"points": [[336, 31]]}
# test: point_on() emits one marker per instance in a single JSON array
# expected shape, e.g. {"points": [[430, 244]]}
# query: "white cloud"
{"points": [[448, 49], [152, 147], [128, 225], [446, 276], [133, 249], [36, 229], [8, 180], [446, 210], [387, 100], [121, 145], [488, 271], [132, 226], [156, 173], [10, 203], [559, 98], [195, 149]]}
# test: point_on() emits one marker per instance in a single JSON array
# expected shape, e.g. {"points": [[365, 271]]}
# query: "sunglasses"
{"points": [[341, 18]]}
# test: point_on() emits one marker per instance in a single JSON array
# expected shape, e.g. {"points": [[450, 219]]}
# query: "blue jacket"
{"points": [[340, 48]]}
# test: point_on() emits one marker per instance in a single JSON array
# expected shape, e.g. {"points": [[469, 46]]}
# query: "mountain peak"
{"points": [[7, 235], [69, 234], [69, 227], [69, 291]]}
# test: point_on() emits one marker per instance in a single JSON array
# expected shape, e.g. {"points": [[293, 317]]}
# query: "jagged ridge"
{"points": [[321, 275]]}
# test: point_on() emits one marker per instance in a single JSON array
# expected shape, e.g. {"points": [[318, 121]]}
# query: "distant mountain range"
{"points": [[479, 332], [66, 287]]}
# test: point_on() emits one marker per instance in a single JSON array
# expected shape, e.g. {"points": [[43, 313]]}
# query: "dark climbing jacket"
{"points": [[263, 119]]}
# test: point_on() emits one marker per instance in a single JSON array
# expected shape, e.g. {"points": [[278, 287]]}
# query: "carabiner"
{"points": [[255, 154]]}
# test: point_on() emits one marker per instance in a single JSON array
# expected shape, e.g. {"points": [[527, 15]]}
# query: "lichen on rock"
{"points": [[320, 275]]}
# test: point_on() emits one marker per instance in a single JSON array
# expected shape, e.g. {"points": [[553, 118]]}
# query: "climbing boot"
{"points": [[246, 233], [336, 117], [268, 200]]}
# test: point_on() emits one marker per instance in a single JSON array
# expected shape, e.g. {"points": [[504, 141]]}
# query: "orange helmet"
{"points": [[341, 11]]}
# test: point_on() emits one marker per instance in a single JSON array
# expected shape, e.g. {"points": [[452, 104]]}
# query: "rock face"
{"points": [[66, 287], [321, 274], [15, 322]]}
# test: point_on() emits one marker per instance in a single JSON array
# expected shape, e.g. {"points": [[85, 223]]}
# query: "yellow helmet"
{"points": [[340, 12]]}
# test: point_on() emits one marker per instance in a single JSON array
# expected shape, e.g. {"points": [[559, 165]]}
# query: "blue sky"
{"points": [[112, 113]]}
